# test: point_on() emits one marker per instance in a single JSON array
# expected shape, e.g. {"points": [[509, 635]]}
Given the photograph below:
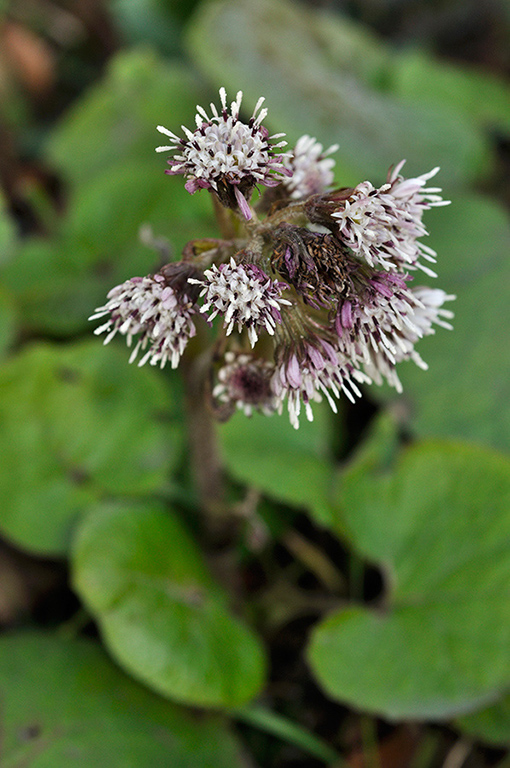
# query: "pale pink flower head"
{"points": [[309, 370], [245, 296], [244, 383], [382, 226], [311, 167], [226, 155], [379, 328], [151, 309]]}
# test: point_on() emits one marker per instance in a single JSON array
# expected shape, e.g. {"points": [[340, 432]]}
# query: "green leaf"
{"points": [[378, 448], [58, 282], [117, 118], [107, 236], [77, 423], [476, 95], [105, 149], [439, 643], [64, 704], [287, 464], [466, 391], [299, 59], [491, 725], [7, 232], [147, 21], [161, 615], [287, 730], [8, 320], [54, 289]]}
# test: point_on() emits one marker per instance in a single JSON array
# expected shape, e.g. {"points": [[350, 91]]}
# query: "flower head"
{"points": [[150, 308], [310, 369], [377, 306], [244, 295], [316, 264], [428, 312], [383, 226], [312, 169], [227, 155], [244, 382], [379, 326]]}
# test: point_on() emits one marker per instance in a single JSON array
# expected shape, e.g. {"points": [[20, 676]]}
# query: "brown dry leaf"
{"points": [[394, 751]]}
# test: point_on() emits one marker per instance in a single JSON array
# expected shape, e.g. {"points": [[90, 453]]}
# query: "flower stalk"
{"points": [[204, 453]]}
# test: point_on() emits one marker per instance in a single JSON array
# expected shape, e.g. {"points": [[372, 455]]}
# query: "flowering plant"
{"points": [[314, 285]]}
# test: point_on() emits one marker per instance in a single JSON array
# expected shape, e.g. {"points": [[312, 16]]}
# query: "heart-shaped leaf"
{"points": [[439, 642], [64, 704], [322, 77], [161, 615], [77, 423]]}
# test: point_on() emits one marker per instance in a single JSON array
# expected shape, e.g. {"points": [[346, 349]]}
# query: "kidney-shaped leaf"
{"points": [[299, 60], [162, 616], [77, 422], [116, 119], [439, 644], [64, 704]]}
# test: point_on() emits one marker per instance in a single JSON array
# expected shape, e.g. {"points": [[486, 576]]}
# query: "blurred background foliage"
{"points": [[358, 611]]}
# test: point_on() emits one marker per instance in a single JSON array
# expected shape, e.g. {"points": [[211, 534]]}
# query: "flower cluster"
{"points": [[244, 382], [313, 286], [310, 370]]}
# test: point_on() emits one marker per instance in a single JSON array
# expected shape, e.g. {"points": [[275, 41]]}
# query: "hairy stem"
{"points": [[204, 454]]}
